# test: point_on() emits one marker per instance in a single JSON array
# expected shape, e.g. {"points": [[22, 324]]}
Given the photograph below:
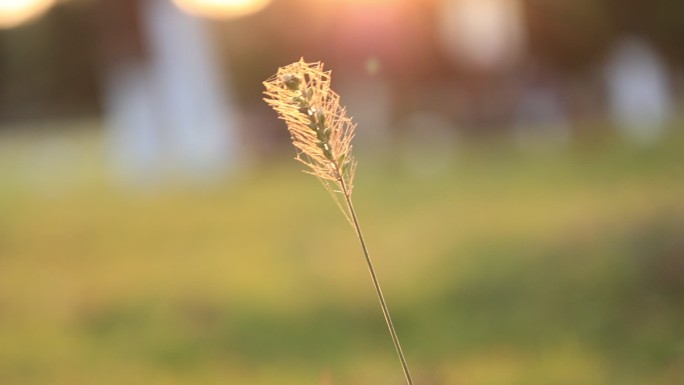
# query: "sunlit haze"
{"points": [[222, 9], [16, 12]]}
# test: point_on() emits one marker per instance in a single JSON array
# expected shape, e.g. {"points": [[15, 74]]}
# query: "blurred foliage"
{"points": [[52, 67], [575, 36], [562, 266], [48, 69]]}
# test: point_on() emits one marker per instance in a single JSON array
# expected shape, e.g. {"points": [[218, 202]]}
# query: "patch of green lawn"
{"points": [[560, 267]]}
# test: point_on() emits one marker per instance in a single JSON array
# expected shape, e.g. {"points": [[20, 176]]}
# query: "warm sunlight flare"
{"points": [[367, 2], [486, 33], [16, 12], [221, 9]]}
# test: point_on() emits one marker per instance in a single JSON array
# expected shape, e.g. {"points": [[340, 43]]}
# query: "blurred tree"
{"points": [[569, 35], [660, 21], [47, 68]]}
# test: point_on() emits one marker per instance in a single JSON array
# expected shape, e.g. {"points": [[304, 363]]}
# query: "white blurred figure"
{"points": [[189, 94], [638, 90], [486, 34], [135, 148], [164, 99]]}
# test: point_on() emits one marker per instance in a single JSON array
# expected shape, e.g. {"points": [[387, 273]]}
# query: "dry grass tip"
{"points": [[319, 126]]}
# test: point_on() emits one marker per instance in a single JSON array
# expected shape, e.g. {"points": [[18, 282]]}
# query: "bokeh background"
{"points": [[520, 183]]}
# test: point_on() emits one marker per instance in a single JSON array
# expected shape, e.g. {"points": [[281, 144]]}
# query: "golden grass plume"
{"points": [[318, 124]]}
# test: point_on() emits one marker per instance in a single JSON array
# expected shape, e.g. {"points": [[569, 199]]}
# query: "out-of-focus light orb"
{"points": [[487, 33], [369, 2], [221, 9], [16, 12]]}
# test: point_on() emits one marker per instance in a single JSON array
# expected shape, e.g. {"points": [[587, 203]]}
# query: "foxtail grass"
{"points": [[322, 134]]}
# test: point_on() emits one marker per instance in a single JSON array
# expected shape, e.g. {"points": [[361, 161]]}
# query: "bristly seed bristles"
{"points": [[319, 126]]}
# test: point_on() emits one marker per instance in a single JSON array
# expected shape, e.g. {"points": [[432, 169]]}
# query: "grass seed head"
{"points": [[319, 126]]}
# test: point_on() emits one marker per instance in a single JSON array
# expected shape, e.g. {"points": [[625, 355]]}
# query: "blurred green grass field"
{"points": [[510, 267]]}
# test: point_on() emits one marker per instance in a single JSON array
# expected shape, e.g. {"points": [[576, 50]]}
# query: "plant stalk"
{"points": [[376, 283]]}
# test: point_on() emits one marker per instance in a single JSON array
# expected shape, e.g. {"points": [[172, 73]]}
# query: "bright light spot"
{"points": [[221, 9], [16, 12], [369, 2], [485, 32]]}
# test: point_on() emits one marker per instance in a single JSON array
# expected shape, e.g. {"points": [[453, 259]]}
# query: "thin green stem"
{"points": [[383, 304]]}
